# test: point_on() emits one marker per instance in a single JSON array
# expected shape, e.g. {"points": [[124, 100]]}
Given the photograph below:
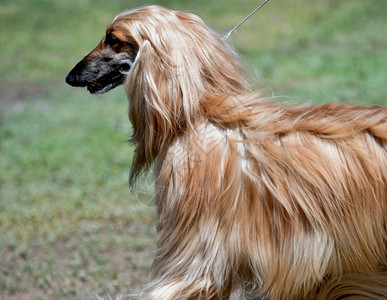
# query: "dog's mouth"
{"points": [[95, 88], [105, 84]]}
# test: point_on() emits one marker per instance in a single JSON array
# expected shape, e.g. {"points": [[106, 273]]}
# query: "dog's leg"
{"points": [[185, 270], [197, 244], [184, 288]]}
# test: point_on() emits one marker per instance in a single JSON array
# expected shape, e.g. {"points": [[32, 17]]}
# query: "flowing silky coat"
{"points": [[281, 201]]}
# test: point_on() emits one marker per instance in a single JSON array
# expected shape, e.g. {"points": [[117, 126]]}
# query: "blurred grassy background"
{"points": [[69, 227]]}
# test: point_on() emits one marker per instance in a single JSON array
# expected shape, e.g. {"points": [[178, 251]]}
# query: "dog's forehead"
{"points": [[117, 32], [122, 35], [119, 28]]}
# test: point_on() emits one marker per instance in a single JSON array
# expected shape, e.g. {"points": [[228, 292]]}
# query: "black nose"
{"points": [[70, 79], [75, 77], [75, 80]]}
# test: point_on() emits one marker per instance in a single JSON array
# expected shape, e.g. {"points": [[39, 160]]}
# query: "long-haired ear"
{"points": [[156, 107], [152, 90], [138, 112], [164, 87]]}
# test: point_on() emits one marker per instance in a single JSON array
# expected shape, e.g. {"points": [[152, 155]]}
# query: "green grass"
{"points": [[69, 227]]}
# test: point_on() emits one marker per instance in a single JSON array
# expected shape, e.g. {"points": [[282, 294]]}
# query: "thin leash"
{"points": [[244, 20]]}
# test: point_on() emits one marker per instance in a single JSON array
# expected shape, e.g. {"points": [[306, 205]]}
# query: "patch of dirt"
{"points": [[78, 267], [15, 95]]}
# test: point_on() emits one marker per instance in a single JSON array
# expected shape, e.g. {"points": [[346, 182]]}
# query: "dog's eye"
{"points": [[111, 40]]}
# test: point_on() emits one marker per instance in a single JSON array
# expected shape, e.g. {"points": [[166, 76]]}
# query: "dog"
{"points": [[278, 200]]}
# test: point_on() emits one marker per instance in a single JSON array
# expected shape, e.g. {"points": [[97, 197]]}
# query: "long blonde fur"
{"points": [[283, 202]]}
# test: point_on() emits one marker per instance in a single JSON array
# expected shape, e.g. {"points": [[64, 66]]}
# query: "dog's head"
{"points": [[177, 45], [107, 66]]}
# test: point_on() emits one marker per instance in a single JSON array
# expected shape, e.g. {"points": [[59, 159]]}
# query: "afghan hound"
{"points": [[278, 200]]}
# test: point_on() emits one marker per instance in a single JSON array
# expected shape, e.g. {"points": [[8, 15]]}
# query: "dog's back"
{"points": [[298, 195]]}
